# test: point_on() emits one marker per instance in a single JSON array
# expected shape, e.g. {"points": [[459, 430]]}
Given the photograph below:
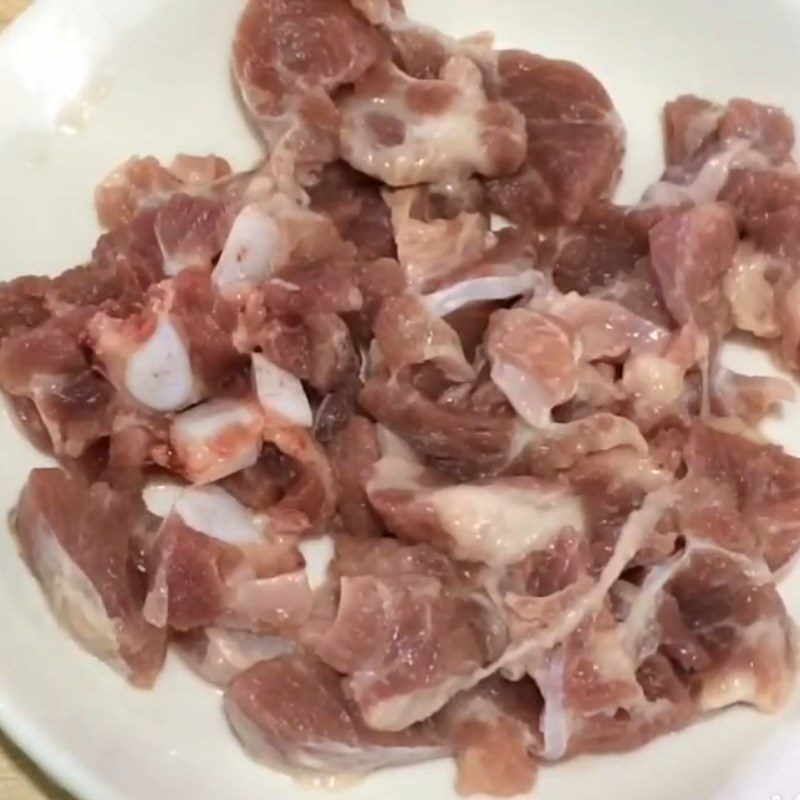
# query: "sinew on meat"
{"points": [[403, 481]]}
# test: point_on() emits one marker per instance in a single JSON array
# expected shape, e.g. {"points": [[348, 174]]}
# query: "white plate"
{"points": [[86, 83]]}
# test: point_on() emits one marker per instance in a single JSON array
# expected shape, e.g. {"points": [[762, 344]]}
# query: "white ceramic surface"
{"points": [[86, 83]]}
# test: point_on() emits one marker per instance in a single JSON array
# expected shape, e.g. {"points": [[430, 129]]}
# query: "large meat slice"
{"points": [[575, 139], [292, 712], [81, 542], [288, 57], [407, 638], [406, 131]]}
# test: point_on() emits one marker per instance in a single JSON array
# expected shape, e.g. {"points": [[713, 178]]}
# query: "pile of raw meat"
{"points": [[421, 329]]}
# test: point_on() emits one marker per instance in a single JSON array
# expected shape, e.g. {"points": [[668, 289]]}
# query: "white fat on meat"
{"points": [[707, 183], [429, 250], [528, 396], [224, 653], [281, 393], [159, 373], [207, 509], [639, 524], [499, 524], [452, 298], [452, 139], [155, 370], [741, 684], [254, 250], [318, 554], [339, 762], [751, 294], [555, 722], [216, 439], [284, 599], [534, 362], [399, 711], [393, 446]]}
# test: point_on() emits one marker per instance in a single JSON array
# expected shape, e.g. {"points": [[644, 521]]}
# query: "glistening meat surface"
{"points": [[410, 439]]}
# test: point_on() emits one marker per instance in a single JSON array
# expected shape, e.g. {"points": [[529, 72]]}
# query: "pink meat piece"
{"points": [[601, 697], [317, 287], [191, 232], [748, 397], [354, 204], [197, 580], [142, 183], [218, 655], [309, 500], [562, 445], [298, 328], [79, 542], [640, 293], [753, 287], [138, 441], [406, 131], [604, 329], [496, 731], [693, 124], [764, 481], [209, 321], [288, 58], [378, 11], [293, 712], [690, 254], [23, 304], [126, 260], [534, 360], [431, 249], [705, 143], [689, 123], [612, 484], [353, 453], [407, 641], [754, 192], [503, 270], [740, 621], [263, 484], [575, 139], [605, 243], [463, 441], [407, 333], [48, 367], [655, 382]]}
